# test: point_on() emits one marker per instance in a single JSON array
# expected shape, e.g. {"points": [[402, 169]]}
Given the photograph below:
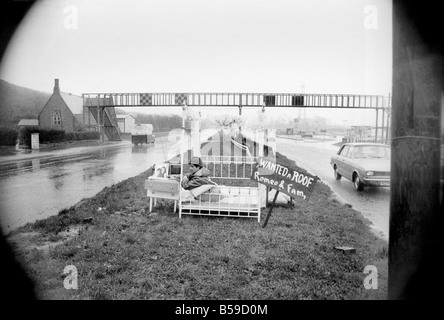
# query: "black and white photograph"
{"points": [[233, 152], [160, 170]]}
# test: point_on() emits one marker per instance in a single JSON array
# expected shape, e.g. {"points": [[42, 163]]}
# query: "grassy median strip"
{"points": [[125, 252]]}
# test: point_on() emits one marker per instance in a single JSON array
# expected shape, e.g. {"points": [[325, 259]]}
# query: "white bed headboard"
{"points": [[229, 167]]}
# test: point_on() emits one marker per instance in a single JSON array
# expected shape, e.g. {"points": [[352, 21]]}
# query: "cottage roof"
{"points": [[74, 103], [28, 122]]}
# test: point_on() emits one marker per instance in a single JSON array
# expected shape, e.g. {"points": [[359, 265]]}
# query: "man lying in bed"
{"points": [[199, 175], [198, 187], [198, 181]]}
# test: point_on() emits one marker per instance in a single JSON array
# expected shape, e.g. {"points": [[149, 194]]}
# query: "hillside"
{"points": [[18, 102]]}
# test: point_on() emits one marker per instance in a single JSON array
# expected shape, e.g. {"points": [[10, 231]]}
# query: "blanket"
{"points": [[193, 194]]}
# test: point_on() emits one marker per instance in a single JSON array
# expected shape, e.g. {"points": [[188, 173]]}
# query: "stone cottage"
{"points": [[63, 111], [70, 113]]}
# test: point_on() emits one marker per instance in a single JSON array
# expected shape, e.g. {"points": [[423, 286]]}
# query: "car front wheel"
{"points": [[359, 186], [338, 176]]}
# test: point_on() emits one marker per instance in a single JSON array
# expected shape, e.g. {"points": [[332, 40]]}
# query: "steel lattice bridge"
{"points": [[238, 100], [102, 105]]}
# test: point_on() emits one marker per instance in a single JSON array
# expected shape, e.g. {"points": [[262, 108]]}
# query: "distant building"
{"points": [[69, 113], [360, 131], [24, 125], [63, 111], [126, 123]]}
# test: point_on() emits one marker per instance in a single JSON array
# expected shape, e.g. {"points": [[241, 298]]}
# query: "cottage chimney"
{"points": [[56, 86]]}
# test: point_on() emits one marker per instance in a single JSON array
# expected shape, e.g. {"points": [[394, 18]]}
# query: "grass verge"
{"points": [[127, 253]]}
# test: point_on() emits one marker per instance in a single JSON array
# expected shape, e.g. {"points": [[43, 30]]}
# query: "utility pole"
{"points": [[415, 238]]}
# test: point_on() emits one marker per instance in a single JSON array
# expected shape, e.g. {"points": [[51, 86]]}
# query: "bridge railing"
{"points": [[240, 99]]}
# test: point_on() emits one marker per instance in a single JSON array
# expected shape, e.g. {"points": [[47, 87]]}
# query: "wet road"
{"points": [[34, 189], [373, 203]]}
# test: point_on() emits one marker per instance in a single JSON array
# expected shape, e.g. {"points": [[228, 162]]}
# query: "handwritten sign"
{"points": [[293, 181]]}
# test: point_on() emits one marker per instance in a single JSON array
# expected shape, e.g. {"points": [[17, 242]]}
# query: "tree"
{"points": [[228, 120]]}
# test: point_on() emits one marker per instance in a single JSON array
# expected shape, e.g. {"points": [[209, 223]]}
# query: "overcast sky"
{"points": [[309, 46]]}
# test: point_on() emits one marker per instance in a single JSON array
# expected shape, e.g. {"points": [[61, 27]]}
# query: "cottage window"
{"points": [[56, 120]]}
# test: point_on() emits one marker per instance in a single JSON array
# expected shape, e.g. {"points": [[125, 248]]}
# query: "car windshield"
{"points": [[364, 152]]}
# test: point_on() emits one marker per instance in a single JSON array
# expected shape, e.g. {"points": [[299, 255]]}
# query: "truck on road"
{"points": [[142, 133]]}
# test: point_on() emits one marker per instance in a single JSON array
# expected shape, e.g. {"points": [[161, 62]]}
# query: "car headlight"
{"points": [[370, 173]]}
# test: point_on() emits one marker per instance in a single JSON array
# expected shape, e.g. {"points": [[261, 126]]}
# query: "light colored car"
{"points": [[363, 163]]}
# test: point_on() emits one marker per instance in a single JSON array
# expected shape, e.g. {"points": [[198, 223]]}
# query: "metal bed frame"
{"points": [[224, 200]]}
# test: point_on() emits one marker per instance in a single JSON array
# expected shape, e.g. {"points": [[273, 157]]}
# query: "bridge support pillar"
{"points": [[100, 120], [376, 128]]}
